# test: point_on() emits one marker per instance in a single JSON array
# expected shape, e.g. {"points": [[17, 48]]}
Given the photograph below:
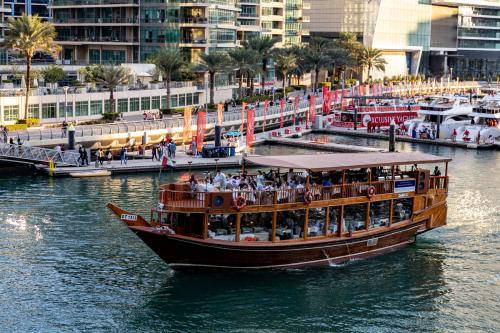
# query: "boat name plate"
{"points": [[129, 217], [372, 242]]}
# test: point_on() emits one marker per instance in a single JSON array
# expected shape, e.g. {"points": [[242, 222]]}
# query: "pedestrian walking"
{"points": [[171, 149], [160, 150], [109, 156], [85, 157], [80, 156], [123, 155], [64, 129], [153, 153], [100, 156]]}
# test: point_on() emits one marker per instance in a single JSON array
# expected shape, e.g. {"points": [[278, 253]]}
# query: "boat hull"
{"points": [[186, 253]]}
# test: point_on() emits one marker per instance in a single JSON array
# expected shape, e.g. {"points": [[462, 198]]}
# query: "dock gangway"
{"points": [[37, 155]]}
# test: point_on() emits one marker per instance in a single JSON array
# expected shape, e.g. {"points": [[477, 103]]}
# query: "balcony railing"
{"points": [[95, 20], [104, 39], [93, 2], [178, 196]]}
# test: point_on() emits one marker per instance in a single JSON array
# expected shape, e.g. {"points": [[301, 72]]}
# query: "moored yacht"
{"points": [[486, 127]]}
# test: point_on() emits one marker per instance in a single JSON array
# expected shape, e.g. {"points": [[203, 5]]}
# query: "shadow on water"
{"points": [[380, 293]]}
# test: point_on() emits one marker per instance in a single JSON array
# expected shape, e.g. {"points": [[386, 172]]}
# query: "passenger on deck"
{"points": [[437, 172]]}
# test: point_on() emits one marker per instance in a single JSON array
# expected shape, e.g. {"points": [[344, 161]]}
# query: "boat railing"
{"points": [[185, 198]]}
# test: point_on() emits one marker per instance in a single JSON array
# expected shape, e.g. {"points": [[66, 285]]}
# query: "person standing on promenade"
{"points": [[64, 129], [80, 157], [123, 155], [153, 153], [109, 156], [171, 149], [85, 158]]}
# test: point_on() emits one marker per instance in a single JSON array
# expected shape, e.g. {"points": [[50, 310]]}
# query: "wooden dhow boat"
{"points": [[343, 207]]}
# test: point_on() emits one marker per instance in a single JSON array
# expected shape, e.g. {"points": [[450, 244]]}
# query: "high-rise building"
{"points": [[465, 38]]}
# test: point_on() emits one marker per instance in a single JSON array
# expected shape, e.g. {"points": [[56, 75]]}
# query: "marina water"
{"points": [[67, 265]]}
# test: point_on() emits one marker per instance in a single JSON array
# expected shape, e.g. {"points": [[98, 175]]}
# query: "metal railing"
{"points": [[38, 154]]}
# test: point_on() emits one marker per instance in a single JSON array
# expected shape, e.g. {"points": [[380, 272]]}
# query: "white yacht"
{"points": [[486, 125], [441, 115]]}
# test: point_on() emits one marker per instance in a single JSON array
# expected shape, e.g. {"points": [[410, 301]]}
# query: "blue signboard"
{"points": [[404, 186]]}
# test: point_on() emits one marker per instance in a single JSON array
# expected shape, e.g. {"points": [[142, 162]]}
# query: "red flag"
{"points": [[329, 102], [325, 97], [343, 102], [361, 90], [295, 105], [200, 130], [266, 105], [250, 127], [219, 113], [243, 107], [312, 108], [282, 108], [335, 98], [186, 135]]}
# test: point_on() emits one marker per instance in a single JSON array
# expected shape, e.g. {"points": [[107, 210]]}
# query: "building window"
{"points": [[379, 214], [196, 99], [107, 106], [33, 111], [402, 209], [145, 103], [155, 102], [123, 105], [49, 110], [189, 99], [182, 100], [69, 109], [113, 57], [95, 108], [134, 104], [164, 102], [355, 216], [82, 109], [173, 101], [11, 112], [94, 57]]}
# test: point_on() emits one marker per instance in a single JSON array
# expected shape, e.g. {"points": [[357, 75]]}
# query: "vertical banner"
{"points": [[329, 102], [186, 134], [324, 97], [266, 106], [220, 118], [243, 107], [361, 90], [295, 105], [250, 127], [374, 89], [312, 108], [335, 100], [200, 130], [343, 103], [282, 108]]}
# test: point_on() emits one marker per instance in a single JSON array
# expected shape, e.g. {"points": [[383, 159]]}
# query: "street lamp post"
{"points": [[66, 88]]}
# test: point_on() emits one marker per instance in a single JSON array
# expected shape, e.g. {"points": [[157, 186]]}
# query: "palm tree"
{"points": [[285, 63], [265, 47], [111, 77], [213, 63], [372, 58], [244, 62], [28, 35], [316, 61], [168, 61]]}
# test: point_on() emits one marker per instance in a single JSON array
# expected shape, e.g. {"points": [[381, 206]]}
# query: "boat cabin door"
{"points": [[160, 217]]}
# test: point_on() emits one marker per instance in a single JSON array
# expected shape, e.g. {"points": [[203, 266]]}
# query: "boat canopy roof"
{"points": [[342, 161], [232, 134]]}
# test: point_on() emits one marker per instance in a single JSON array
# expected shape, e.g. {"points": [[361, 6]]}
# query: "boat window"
{"points": [[355, 216], [316, 222], [402, 209], [189, 224], [256, 226], [379, 214], [154, 216], [222, 227], [333, 225], [290, 224]]}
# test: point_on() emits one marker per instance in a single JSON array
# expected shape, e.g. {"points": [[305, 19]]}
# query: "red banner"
{"points": [[343, 102], [295, 105], [186, 134], [250, 127], [384, 119], [282, 108], [335, 97], [312, 108], [325, 101], [329, 98], [200, 130], [361, 90], [219, 113], [266, 106], [243, 107]]}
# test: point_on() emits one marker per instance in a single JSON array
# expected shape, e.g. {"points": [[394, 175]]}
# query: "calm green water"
{"points": [[66, 265]]}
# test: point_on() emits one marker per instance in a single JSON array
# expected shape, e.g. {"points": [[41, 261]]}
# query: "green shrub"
{"points": [[110, 115]]}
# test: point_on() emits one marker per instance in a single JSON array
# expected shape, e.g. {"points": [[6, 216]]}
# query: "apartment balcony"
{"points": [[251, 16], [306, 5], [193, 22], [95, 21], [249, 2], [106, 40], [194, 43], [193, 3], [305, 32], [94, 3], [250, 27]]}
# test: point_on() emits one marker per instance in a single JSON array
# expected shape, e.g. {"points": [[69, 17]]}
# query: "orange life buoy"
{"points": [[308, 197], [240, 202], [370, 191]]}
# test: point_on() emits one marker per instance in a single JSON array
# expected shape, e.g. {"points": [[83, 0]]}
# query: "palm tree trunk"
{"points": [[251, 85], [28, 85], [212, 85], [284, 84], [263, 77], [316, 78], [168, 79], [240, 85], [111, 100], [298, 80], [289, 80]]}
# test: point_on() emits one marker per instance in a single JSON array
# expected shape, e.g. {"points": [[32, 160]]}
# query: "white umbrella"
{"points": [[23, 82]]}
